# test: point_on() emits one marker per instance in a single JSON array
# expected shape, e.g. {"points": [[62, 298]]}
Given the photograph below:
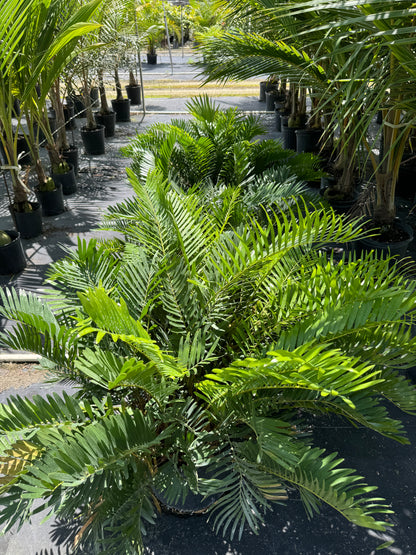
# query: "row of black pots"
{"points": [[300, 139], [50, 203], [133, 94], [28, 225], [273, 97]]}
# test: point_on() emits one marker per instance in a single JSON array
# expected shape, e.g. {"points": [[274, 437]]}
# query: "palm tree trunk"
{"points": [[87, 99], [132, 79], [119, 90], [385, 209], [103, 97], [61, 138]]}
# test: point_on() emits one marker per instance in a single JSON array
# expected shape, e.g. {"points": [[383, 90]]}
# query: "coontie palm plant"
{"points": [[214, 147], [192, 343]]}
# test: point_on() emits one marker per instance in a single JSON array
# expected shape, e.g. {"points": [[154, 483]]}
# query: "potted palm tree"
{"points": [[92, 133], [150, 26], [104, 116], [292, 40]]}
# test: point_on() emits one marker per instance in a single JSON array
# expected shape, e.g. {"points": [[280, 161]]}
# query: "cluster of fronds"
{"points": [[215, 147]]}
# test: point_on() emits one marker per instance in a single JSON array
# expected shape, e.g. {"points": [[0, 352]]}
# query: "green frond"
{"points": [[313, 378], [111, 371]]}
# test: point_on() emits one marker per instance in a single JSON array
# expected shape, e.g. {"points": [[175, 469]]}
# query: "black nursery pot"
{"points": [[307, 140], [262, 91], [134, 94], [69, 114], [16, 108], [270, 100], [122, 109], [79, 105], [278, 120], [93, 140], [52, 201], [95, 97], [109, 122], [66, 180], [396, 248], [289, 135], [28, 224], [151, 59], [70, 155], [12, 256]]}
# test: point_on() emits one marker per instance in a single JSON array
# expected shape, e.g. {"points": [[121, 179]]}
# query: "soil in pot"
{"points": [[12, 256], [391, 240], [52, 201], [122, 109], [134, 94], [28, 223], [109, 122], [340, 202], [93, 140], [66, 179]]}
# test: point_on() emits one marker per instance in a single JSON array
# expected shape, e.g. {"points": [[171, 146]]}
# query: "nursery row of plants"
{"points": [[202, 342], [356, 63], [54, 54]]}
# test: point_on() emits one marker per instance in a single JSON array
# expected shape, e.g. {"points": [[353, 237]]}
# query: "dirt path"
{"points": [[19, 375]]}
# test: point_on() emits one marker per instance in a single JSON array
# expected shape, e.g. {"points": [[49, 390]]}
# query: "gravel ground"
{"points": [[19, 375]]}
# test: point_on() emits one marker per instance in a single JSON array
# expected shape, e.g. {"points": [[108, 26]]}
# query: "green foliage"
{"points": [[214, 147], [357, 58], [194, 341]]}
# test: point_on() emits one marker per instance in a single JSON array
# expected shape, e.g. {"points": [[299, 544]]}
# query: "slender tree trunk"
{"points": [[61, 138], [119, 90], [34, 149], [346, 163], [20, 189], [87, 99], [132, 79], [385, 209], [103, 97]]}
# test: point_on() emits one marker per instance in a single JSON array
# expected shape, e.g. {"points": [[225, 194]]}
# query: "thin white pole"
{"points": [[167, 37]]}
